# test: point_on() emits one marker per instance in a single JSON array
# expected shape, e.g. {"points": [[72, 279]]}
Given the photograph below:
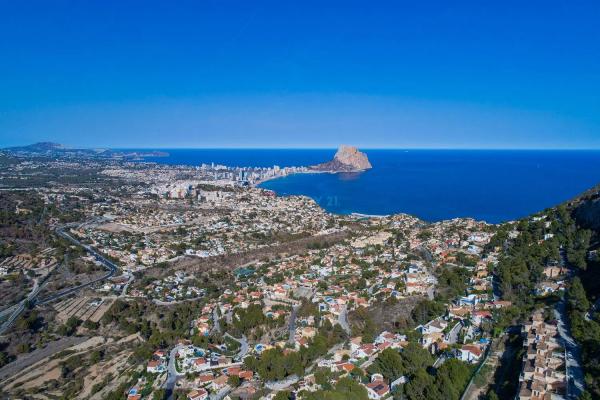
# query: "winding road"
{"points": [[243, 346], [172, 374]]}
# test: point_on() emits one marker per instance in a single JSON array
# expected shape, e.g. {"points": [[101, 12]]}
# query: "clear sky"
{"points": [[480, 74]]}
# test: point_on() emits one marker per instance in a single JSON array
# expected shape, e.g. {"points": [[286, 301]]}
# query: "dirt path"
{"points": [[37, 355]]}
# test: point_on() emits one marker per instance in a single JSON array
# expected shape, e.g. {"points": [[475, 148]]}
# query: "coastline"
{"points": [[433, 185], [272, 178]]}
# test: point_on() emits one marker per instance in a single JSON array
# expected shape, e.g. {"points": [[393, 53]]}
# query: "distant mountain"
{"points": [[347, 159], [59, 150], [40, 147]]}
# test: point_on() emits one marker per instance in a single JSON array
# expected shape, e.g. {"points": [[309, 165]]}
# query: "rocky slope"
{"points": [[346, 159], [586, 209]]}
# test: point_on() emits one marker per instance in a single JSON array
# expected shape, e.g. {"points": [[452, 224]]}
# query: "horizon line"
{"points": [[69, 147], [358, 147]]}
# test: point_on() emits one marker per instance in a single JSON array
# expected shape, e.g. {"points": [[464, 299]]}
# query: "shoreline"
{"points": [[271, 178]]}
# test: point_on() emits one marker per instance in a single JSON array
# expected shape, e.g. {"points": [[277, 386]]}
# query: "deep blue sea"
{"points": [[490, 185]]}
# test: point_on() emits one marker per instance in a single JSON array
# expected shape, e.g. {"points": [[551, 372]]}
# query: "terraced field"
{"points": [[83, 307]]}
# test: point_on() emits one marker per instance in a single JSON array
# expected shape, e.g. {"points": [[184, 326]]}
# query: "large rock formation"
{"points": [[347, 159]]}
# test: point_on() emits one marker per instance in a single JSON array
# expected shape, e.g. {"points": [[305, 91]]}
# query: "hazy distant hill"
{"points": [[59, 150], [40, 147]]}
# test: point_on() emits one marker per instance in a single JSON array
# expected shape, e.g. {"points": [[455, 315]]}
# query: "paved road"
{"points": [[592, 310], [440, 360], [453, 334], [109, 265], [575, 376], [285, 383], [126, 286], [292, 325], [18, 308], [431, 292], [172, 374], [369, 361], [574, 371], [343, 320], [243, 346]]}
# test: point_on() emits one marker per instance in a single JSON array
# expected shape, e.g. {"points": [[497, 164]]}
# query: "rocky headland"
{"points": [[346, 159]]}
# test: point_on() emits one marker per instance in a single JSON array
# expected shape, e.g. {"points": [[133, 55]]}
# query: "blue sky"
{"points": [[477, 74]]}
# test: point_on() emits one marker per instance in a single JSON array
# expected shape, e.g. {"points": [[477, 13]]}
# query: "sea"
{"points": [[490, 185]]}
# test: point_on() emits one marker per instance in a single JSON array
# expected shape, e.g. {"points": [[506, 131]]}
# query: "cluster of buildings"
{"points": [[166, 213], [374, 266], [177, 287], [211, 370], [142, 232], [543, 372], [248, 175]]}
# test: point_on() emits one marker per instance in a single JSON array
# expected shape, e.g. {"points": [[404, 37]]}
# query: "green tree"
{"points": [[233, 381], [577, 297], [421, 387], [390, 364], [283, 395]]}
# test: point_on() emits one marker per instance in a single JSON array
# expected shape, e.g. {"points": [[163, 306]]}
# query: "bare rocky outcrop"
{"points": [[346, 159]]}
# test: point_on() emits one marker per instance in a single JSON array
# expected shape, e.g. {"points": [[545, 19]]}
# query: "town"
{"points": [[173, 282]]}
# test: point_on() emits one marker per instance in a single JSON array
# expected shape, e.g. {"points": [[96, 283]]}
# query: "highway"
{"points": [[32, 297], [18, 308], [109, 265]]}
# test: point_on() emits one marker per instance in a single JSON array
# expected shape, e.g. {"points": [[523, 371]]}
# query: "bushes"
{"points": [[427, 310], [244, 320], [364, 325], [587, 334], [273, 364], [91, 325], [415, 363], [345, 389], [69, 327], [451, 283], [3, 359], [29, 321]]}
